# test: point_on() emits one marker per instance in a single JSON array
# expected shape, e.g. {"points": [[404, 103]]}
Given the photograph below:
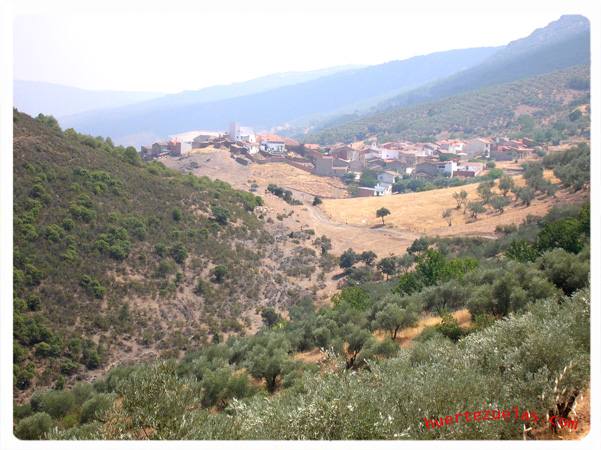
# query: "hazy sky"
{"points": [[173, 46]]}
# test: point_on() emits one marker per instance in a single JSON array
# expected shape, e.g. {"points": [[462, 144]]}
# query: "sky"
{"points": [[177, 45]]}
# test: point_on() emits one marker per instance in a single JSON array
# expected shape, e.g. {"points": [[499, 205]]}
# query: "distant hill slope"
{"points": [[115, 259], [276, 106], [35, 97], [539, 107], [562, 44]]}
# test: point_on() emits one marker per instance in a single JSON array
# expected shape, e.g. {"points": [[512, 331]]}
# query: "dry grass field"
{"points": [[421, 212]]}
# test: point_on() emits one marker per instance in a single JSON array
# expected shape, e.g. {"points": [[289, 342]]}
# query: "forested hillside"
{"points": [[116, 259], [546, 108]]}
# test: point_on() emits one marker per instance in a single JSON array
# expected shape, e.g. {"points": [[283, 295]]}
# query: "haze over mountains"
{"points": [[308, 100], [34, 97]]}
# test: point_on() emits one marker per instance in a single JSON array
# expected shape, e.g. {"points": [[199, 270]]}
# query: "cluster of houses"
{"points": [[449, 158], [183, 144], [389, 161]]}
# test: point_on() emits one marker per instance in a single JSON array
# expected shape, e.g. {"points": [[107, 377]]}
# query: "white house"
{"points": [[384, 153], [382, 189], [252, 147], [387, 177], [274, 147], [241, 134]]}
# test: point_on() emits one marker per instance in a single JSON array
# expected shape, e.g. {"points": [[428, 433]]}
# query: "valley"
{"points": [[344, 272]]}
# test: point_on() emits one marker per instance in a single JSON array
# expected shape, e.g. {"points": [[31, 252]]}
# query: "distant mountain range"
{"points": [[309, 101], [562, 44], [323, 95], [34, 97]]}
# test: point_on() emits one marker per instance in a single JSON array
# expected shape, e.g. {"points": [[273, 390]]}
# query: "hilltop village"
{"points": [[375, 167]]}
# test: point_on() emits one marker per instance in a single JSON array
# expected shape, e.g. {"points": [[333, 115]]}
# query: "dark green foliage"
{"points": [[92, 286], [33, 427], [567, 271], [449, 327], [418, 246], [176, 214], [317, 201], [522, 250], [353, 297], [565, 234], [368, 257], [221, 215], [381, 213], [56, 403], [95, 407], [270, 317], [179, 253], [348, 259], [219, 273], [284, 194]]}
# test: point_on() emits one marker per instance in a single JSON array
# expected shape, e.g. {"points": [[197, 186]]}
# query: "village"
{"points": [[387, 162]]}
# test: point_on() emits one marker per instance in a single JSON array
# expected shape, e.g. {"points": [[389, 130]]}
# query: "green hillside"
{"points": [[115, 259], [539, 107], [87, 249]]}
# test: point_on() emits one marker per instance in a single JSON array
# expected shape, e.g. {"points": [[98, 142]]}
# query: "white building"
{"points": [[241, 134], [387, 177], [384, 153], [274, 147], [252, 148], [383, 189]]}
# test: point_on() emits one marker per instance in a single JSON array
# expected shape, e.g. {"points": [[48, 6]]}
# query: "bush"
{"points": [[95, 407], [33, 427], [565, 234], [55, 403], [567, 271]]}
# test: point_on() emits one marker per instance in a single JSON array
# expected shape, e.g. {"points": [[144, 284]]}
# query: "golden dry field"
{"points": [[421, 212]]}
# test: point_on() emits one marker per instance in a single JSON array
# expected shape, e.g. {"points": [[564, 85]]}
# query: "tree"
{"points": [[485, 191], [387, 266], [317, 201], [356, 339], [447, 214], [450, 328], [476, 208], [267, 359], [348, 259], [33, 427], [176, 214], [381, 213], [522, 251], [392, 318], [526, 195], [564, 234], [461, 198], [219, 272], [324, 243], [352, 296], [506, 184], [499, 203], [368, 257], [419, 245], [270, 317], [221, 215], [179, 253]]}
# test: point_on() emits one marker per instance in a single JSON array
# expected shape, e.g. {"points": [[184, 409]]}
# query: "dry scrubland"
{"points": [[421, 212]]}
